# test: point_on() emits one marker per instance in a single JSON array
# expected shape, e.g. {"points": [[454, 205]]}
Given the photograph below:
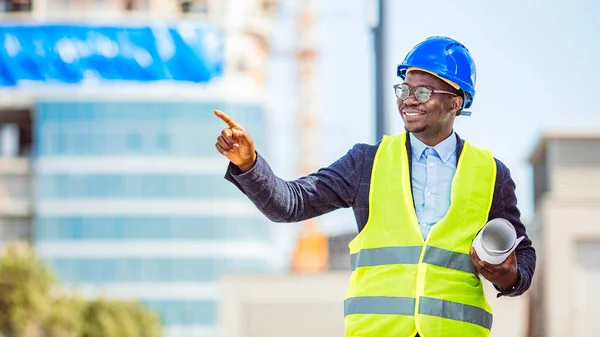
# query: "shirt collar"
{"points": [[445, 149], [417, 146]]}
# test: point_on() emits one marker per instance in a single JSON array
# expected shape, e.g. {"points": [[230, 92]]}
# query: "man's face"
{"points": [[434, 116]]}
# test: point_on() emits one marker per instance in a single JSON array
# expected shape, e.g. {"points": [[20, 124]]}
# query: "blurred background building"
{"points": [[565, 296], [15, 183], [105, 117]]}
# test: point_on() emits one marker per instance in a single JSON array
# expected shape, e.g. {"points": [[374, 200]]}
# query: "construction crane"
{"points": [[311, 252]]}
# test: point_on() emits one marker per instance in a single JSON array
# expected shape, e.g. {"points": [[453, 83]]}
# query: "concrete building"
{"points": [[15, 176], [130, 205], [15, 184], [121, 182], [246, 24], [291, 306], [565, 294]]}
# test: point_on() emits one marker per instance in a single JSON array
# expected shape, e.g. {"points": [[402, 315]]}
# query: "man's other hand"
{"points": [[504, 275]]}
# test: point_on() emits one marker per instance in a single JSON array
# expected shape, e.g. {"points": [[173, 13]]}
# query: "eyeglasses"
{"points": [[422, 94]]}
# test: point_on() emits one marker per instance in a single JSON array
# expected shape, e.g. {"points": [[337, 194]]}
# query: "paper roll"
{"points": [[496, 241]]}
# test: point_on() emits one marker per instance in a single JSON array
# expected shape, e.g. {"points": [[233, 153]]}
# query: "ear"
{"points": [[456, 104]]}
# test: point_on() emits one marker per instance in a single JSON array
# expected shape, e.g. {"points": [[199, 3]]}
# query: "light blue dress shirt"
{"points": [[432, 173]]}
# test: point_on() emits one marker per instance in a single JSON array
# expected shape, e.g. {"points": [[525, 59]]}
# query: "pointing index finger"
{"points": [[225, 118]]}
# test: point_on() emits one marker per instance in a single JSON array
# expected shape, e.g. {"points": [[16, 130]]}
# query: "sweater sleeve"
{"points": [[504, 205], [310, 196]]}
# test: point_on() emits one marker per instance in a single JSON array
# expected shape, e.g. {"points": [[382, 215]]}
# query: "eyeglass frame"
{"points": [[410, 91]]}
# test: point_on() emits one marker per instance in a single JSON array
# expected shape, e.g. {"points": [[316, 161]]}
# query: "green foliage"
{"points": [[105, 318], [25, 284], [32, 304], [65, 318]]}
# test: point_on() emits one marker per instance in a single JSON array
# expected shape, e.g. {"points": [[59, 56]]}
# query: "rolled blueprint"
{"points": [[496, 241]]}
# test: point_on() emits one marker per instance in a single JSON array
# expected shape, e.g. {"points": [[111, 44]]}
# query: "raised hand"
{"points": [[235, 143]]}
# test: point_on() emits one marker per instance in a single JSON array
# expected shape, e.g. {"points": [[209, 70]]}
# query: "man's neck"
{"points": [[433, 140]]}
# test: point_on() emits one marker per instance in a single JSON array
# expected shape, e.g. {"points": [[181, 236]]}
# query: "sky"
{"points": [[537, 70], [537, 67]]}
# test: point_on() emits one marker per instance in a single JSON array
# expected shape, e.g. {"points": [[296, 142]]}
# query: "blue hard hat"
{"points": [[447, 58]]}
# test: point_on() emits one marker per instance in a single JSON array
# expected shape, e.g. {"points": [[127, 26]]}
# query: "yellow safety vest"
{"points": [[401, 284]]}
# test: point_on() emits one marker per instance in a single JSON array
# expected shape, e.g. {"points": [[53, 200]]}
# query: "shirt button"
{"points": [[432, 164], [428, 193]]}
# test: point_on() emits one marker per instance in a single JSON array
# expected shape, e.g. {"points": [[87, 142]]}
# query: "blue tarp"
{"points": [[71, 54]]}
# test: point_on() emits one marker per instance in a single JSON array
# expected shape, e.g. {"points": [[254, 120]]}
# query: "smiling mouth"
{"points": [[415, 113]]}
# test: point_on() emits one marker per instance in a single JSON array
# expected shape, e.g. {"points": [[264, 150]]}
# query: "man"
{"points": [[419, 199]]}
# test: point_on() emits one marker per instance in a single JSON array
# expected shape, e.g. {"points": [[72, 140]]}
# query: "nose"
{"points": [[411, 100]]}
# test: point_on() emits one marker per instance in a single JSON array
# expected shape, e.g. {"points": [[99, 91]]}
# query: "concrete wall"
{"points": [[291, 306], [312, 305], [568, 223]]}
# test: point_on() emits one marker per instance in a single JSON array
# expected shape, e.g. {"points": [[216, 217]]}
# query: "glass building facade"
{"points": [[130, 202]]}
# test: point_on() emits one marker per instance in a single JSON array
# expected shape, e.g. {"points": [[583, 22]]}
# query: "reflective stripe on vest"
{"points": [[428, 306], [410, 255], [401, 284]]}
